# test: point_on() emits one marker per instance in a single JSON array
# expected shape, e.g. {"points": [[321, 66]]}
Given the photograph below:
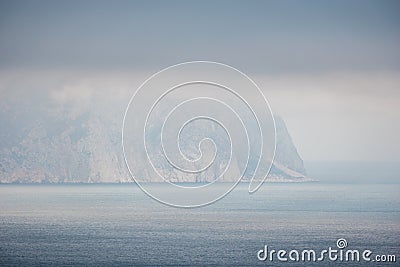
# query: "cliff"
{"points": [[48, 144]]}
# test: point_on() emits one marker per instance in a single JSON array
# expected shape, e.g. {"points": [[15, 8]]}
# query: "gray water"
{"points": [[119, 225]]}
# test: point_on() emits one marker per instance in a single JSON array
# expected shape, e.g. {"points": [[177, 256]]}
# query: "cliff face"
{"points": [[287, 164], [46, 143]]}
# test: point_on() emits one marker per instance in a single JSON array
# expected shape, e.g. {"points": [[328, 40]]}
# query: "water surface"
{"points": [[120, 225]]}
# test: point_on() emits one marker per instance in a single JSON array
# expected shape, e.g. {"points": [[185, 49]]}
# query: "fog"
{"points": [[330, 69]]}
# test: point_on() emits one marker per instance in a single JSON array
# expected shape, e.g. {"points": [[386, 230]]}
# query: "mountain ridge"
{"points": [[52, 143]]}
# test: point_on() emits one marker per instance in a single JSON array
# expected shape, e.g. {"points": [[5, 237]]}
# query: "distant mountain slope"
{"points": [[48, 144]]}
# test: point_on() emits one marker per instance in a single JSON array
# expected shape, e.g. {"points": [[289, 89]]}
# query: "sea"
{"points": [[119, 225]]}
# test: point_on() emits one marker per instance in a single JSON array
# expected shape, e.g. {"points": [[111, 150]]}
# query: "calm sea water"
{"points": [[73, 225]]}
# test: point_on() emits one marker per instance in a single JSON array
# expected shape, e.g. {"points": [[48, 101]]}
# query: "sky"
{"points": [[329, 68]]}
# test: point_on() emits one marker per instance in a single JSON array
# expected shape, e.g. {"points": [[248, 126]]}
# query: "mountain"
{"points": [[287, 165], [55, 143]]}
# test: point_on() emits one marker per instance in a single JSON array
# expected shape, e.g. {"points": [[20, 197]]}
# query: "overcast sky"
{"points": [[330, 68]]}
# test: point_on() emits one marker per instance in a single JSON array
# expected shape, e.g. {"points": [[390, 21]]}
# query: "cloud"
{"points": [[331, 69], [339, 116]]}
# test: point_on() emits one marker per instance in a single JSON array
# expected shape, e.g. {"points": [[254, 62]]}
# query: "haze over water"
{"points": [[106, 224], [330, 69]]}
